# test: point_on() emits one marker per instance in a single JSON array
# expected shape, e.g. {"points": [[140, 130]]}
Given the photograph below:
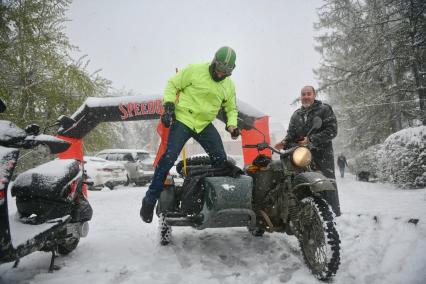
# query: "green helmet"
{"points": [[224, 60]]}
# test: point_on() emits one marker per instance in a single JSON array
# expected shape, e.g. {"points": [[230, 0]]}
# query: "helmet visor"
{"points": [[223, 68]]}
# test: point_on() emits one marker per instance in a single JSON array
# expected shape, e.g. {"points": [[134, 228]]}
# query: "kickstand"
{"points": [[52, 266], [15, 265]]}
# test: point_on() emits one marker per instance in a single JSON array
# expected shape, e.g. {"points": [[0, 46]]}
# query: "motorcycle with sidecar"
{"points": [[283, 195]]}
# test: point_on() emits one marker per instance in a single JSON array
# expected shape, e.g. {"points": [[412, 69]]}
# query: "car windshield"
{"points": [[127, 157], [142, 156]]}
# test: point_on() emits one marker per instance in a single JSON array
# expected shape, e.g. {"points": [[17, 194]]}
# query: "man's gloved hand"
{"points": [[235, 132], [280, 145], [303, 141], [168, 116]]}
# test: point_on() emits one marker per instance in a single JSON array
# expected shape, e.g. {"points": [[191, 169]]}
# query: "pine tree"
{"points": [[372, 69]]}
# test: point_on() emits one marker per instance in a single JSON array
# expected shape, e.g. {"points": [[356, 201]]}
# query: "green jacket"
{"points": [[200, 97]]}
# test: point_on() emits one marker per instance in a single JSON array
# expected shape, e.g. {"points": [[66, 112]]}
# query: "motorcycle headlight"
{"points": [[301, 157]]}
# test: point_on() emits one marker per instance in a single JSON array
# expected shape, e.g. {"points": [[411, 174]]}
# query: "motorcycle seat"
{"points": [[48, 180]]}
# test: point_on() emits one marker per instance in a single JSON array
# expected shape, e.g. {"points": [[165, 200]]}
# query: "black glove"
{"points": [[168, 116], [235, 133]]}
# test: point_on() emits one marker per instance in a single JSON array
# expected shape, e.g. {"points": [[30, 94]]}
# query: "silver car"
{"points": [[104, 173], [138, 163]]}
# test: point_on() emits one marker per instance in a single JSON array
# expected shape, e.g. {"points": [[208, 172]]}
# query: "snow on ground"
{"points": [[378, 246]]}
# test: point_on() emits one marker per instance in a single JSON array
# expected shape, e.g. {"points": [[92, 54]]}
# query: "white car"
{"points": [[104, 173], [138, 163]]}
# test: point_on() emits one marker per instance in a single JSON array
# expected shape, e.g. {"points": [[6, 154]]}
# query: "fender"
{"points": [[315, 181]]}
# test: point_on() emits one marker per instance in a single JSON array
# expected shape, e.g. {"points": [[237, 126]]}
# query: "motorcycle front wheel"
{"points": [[318, 238]]}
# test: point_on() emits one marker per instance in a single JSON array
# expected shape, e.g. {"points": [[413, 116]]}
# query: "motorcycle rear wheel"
{"points": [[318, 238]]}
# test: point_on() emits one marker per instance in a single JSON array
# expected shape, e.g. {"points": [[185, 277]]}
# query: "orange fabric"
{"points": [[75, 151], [254, 137], [164, 135]]}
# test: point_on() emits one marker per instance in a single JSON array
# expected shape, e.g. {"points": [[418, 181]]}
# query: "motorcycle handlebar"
{"points": [[264, 145], [54, 144]]}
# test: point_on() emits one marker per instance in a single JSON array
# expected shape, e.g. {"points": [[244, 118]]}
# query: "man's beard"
{"points": [[307, 105]]}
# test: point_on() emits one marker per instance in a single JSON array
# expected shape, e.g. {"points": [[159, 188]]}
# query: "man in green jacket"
{"points": [[192, 100]]}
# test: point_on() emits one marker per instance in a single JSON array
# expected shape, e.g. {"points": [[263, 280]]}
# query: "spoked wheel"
{"points": [[68, 246], [165, 231], [319, 239]]}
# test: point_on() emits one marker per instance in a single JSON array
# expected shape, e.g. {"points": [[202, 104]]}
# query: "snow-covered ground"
{"points": [[379, 245]]}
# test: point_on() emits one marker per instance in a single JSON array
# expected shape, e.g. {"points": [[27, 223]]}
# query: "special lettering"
{"points": [[134, 109]]}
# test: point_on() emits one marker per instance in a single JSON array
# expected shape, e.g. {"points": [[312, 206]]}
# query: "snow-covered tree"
{"points": [[372, 69], [39, 80]]}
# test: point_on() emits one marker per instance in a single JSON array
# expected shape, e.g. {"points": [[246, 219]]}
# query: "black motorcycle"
{"points": [[52, 213], [285, 195]]}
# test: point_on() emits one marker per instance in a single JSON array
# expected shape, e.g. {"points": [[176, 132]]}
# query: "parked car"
{"points": [[138, 163], [104, 173]]}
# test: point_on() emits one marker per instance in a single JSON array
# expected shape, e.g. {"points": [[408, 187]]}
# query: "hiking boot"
{"points": [[147, 211]]}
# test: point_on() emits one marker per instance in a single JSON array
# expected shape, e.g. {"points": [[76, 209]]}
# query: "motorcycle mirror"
{"points": [[249, 126], [316, 124], [65, 121], [2, 106], [246, 123]]}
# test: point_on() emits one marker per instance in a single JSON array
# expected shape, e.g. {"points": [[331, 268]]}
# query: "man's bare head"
{"points": [[307, 96]]}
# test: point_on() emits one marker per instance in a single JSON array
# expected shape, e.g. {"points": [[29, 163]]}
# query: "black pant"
{"points": [[324, 161]]}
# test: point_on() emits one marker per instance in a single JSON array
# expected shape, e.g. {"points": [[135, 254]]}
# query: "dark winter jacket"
{"points": [[301, 123], [341, 161]]}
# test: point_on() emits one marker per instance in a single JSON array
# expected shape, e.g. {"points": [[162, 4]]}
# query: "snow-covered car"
{"points": [[138, 163], [104, 173]]}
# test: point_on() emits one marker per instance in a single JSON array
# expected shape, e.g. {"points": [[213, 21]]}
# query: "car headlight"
{"points": [[301, 157]]}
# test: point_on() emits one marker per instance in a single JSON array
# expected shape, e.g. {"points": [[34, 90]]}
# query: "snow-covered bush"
{"points": [[402, 158]]}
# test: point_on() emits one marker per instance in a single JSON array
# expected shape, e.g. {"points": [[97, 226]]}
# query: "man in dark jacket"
{"points": [[320, 139], [342, 163]]}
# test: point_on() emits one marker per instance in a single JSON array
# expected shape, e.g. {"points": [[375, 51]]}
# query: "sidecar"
{"points": [[225, 202]]}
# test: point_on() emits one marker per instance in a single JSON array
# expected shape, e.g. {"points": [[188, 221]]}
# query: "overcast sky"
{"points": [[139, 43]]}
